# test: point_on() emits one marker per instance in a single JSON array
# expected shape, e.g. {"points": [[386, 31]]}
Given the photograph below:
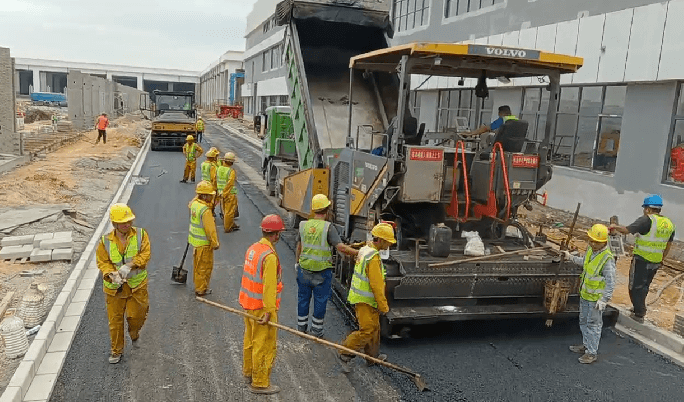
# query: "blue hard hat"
{"points": [[653, 201]]}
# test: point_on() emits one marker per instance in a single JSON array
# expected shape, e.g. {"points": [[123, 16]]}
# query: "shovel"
{"points": [[180, 275]]}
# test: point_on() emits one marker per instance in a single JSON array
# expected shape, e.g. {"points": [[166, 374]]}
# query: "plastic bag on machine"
{"points": [[474, 246]]}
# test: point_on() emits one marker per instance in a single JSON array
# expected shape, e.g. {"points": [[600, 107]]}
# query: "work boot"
{"points": [[113, 359], [301, 328], [579, 349], [192, 180], [247, 379], [235, 227], [381, 356], [183, 181], [206, 292], [587, 358], [344, 361], [270, 390], [637, 318]]}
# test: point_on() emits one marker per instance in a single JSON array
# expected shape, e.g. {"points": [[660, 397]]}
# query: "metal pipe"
{"points": [[399, 129], [349, 122], [550, 132]]}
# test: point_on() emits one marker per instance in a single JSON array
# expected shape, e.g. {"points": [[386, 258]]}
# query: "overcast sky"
{"points": [[182, 34]]}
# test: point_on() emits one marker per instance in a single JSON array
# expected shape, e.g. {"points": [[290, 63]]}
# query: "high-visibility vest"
{"points": [[252, 289], [652, 245], [190, 151], [507, 118], [102, 123], [197, 236], [360, 290], [592, 281], [132, 249], [206, 170], [222, 176], [316, 254], [200, 125]]}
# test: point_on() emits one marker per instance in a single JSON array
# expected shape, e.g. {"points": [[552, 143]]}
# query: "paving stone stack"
{"points": [[678, 327], [38, 248]]}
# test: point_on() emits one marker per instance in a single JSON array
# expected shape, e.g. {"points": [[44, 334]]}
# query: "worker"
{"points": [[654, 234], [192, 151], [225, 181], [505, 114], [596, 289], [202, 236], [101, 125], [122, 256], [199, 127], [315, 241], [367, 294], [209, 167], [260, 297]]}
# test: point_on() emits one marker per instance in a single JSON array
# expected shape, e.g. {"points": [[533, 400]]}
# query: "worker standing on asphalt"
{"points": [[122, 256], [202, 236], [192, 151], [315, 241], [367, 294], [225, 179], [653, 234], [209, 168], [260, 297], [596, 289], [199, 127], [101, 125]]}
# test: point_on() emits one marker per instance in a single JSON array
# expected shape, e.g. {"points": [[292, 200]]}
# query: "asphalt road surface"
{"points": [[192, 352]]}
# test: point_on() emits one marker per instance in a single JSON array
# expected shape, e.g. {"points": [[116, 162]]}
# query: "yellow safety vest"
{"points": [[190, 152], [132, 249], [652, 245], [316, 252], [197, 236], [593, 281], [222, 176], [206, 170], [360, 290], [200, 125]]}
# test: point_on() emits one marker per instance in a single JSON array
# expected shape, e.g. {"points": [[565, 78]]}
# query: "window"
{"points": [[675, 158], [566, 125], [276, 53], [265, 61], [408, 14], [263, 102], [284, 101], [457, 108], [414, 104], [534, 110], [453, 8]]}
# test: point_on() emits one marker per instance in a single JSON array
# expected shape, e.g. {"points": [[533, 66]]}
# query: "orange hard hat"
{"points": [[272, 223]]}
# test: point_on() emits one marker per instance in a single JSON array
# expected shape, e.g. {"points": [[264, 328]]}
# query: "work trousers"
{"points": [[367, 338], [203, 264], [199, 136], [101, 134], [190, 168], [317, 284], [229, 206], [641, 274], [259, 349], [591, 325], [134, 305]]}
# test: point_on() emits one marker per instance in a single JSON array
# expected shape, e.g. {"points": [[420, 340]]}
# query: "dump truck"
{"points": [[173, 118], [278, 146]]}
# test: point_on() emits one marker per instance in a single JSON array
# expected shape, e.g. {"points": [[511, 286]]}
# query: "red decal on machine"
{"points": [[525, 161], [422, 154]]}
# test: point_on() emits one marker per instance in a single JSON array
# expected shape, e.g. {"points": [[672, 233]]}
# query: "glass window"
{"points": [[614, 103], [265, 61], [569, 100], [608, 143], [409, 14], [460, 7], [462, 103], [675, 157]]}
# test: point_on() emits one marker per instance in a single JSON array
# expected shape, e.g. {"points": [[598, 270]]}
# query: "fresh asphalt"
{"points": [[192, 352]]}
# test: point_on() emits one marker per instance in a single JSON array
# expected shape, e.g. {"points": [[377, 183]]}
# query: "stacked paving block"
{"points": [[38, 248], [678, 327]]}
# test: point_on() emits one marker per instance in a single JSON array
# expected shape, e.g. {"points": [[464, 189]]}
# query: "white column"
{"points": [[109, 76], [139, 82], [36, 79]]}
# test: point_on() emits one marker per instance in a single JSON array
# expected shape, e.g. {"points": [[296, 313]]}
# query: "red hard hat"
{"points": [[272, 223]]}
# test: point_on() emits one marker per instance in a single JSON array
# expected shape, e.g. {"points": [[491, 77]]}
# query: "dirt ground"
{"points": [[83, 176]]}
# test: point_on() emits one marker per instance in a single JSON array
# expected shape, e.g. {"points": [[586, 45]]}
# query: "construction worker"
{"points": [[192, 151], [199, 128], [101, 125], [367, 294], [596, 289], [225, 181], [653, 234], [315, 240], [122, 256], [202, 236], [260, 297], [505, 114]]}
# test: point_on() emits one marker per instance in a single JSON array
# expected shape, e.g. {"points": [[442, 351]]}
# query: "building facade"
{"points": [[215, 80]]}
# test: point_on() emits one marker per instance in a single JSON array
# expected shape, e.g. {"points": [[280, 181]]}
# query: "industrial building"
{"points": [[221, 82]]}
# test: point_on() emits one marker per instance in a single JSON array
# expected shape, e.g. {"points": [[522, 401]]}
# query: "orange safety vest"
{"points": [[252, 290], [102, 123]]}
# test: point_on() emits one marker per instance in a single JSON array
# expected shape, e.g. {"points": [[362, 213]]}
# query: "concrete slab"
{"points": [[16, 240], [81, 295], [22, 376], [12, 252], [75, 309], [40, 237], [69, 323], [63, 235], [60, 254], [38, 255], [11, 394], [46, 332], [91, 273], [22, 216], [61, 342], [52, 363], [56, 244], [41, 388], [87, 283], [36, 351]]}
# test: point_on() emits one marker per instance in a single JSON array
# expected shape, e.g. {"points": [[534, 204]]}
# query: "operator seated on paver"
{"points": [[315, 240], [122, 256], [202, 236], [209, 168], [367, 294], [486, 132], [227, 192], [260, 297], [654, 234], [597, 282], [192, 151]]}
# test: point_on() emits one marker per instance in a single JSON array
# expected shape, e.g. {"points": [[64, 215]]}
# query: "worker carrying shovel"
{"points": [[192, 151], [367, 294], [227, 192], [202, 236], [596, 289], [122, 256]]}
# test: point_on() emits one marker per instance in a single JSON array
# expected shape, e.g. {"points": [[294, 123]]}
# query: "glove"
{"points": [[567, 255], [124, 271], [116, 278], [601, 305]]}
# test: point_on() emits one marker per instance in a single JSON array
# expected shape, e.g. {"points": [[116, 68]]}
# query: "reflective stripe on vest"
{"points": [[206, 171], [316, 254], [252, 288], [507, 118], [222, 176], [132, 249], [197, 236], [190, 152], [652, 245], [360, 290], [592, 281]]}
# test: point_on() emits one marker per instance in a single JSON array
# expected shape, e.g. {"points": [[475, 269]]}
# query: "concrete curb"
{"points": [[35, 378]]}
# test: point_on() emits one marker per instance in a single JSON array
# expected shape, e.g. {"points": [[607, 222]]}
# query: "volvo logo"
{"points": [[497, 51]]}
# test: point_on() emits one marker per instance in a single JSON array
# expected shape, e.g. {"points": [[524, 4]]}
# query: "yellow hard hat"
{"points": [[212, 153], [121, 213], [598, 233], [319, 202], [384, 231], [229, 157], [204, 187], [189, 138]]}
